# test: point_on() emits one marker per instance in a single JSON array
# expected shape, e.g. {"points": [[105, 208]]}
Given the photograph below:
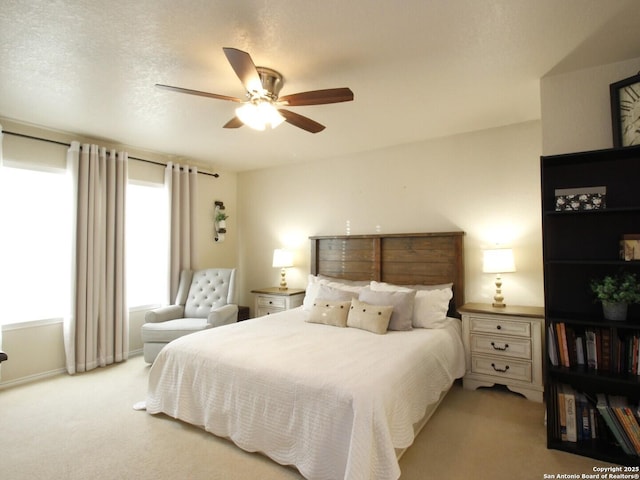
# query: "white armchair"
{"points": [[205, 299]]}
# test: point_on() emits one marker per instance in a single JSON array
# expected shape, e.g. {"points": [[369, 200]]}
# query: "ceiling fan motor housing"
{"points": [[272, 81]]}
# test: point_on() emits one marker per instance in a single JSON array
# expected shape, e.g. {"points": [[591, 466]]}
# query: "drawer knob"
{"points": [[499, 327], [495, 347], [502, 370]]}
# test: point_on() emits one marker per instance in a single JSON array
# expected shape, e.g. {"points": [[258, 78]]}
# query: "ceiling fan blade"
{"points": [[235, 122], [198, 92], [245, 68], [318, 97], [301, 121]]}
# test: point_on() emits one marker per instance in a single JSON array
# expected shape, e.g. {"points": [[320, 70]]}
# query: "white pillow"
{"points": [[430, 308], [373, 318], [383, 287], [387, 287], [311, 292]]}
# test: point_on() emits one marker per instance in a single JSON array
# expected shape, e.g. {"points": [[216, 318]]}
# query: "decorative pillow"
{"points": [[401, 301], [330, 313], [373, 318], [315, 282], [430, 308]]}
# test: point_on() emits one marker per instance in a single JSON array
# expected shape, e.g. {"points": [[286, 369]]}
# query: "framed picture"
{"points": [[625, 111]]}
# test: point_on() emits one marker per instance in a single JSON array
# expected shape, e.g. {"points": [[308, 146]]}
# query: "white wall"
{"points": [[484, 183], [576, 108]]}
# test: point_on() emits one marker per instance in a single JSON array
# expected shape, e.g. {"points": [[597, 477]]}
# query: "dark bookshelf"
{"points": [[579, 246]]}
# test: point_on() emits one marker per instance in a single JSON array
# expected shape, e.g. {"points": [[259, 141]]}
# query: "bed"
{"points": [[334, 400]]}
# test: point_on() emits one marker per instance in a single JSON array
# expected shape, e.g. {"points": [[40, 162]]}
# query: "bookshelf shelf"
{"points": [[597, 360]]}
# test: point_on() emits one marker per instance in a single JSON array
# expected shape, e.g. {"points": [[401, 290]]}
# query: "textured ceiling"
{"points": [[419, 69]]}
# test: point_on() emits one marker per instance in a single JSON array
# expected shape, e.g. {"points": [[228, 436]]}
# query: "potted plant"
{"points": [[616, 292], [221, 219]]}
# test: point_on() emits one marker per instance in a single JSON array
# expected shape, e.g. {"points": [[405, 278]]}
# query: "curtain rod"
{"points": [[216, 175]]}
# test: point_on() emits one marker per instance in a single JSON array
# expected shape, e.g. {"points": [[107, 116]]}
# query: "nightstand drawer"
{"points": [[503, 346], [272, 301], [500, 326], [511, 369], [268, 311]]}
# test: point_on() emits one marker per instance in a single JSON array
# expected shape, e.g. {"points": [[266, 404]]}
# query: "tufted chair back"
{"points": [[203, 290]]}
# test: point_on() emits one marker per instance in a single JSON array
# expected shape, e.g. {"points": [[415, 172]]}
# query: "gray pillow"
{"points": [[335, 294], [402, 302]]}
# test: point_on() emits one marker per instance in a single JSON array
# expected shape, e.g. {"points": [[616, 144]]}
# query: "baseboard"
{"points": [[51, 373], [32, 378]]}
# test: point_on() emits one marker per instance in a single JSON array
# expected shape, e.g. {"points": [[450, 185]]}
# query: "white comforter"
{"points": [[334, 402]]}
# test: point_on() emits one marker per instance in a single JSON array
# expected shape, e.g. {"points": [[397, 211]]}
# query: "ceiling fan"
{"points": [[263, 107]]}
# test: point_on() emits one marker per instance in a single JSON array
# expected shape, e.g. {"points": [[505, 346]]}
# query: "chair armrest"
{"points": [[223, 315], [163, 314]]}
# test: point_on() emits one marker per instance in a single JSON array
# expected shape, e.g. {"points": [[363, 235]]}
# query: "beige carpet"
{"points": [[84, 427]]}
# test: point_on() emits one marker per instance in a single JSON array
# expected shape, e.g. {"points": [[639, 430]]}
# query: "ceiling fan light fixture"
{"points": [[258, 115]]}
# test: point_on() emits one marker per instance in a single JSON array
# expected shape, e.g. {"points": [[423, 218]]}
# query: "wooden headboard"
{"points": [[401, 259]]}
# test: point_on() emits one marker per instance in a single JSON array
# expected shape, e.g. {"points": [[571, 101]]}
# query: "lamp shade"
{"points": [[258, 115], [282, 258], [498, 260]]}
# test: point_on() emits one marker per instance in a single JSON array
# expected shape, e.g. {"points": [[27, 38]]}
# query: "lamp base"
{"points": [[498, 299], [283, 281]]}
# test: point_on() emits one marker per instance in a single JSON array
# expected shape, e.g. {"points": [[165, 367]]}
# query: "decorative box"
{"points": [[586, 198], [630, 247]]}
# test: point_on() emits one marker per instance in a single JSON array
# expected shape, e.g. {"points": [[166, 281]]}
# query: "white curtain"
{"points": [[181, 183], [96, 331]]}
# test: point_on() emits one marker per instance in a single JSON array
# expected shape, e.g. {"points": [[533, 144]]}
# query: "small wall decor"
{"points": [[587, 198], [625, 111], [219, 221], [630, 247]]}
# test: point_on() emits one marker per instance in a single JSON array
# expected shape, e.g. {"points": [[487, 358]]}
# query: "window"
{"points": [[147, 244], [35, 244]]}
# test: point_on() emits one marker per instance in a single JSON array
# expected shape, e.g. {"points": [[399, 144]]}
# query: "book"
{"points": [[583, 415], [563, 345], [618, 405], [605, 353], [572, 347], [592, 358], [612, 423], [570, 413], [562, 415], [634, 428], [552, 346], [580, 350]]}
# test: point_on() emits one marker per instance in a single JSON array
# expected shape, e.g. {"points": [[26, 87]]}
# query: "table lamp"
{"points": [[282, 259], [498, 261]]}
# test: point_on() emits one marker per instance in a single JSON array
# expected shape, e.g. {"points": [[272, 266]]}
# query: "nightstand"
{"points": [[273, 300], [503, 346]]}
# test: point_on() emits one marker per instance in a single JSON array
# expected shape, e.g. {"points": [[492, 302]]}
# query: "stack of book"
{"points": [[601, 349], [582, 417]]}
